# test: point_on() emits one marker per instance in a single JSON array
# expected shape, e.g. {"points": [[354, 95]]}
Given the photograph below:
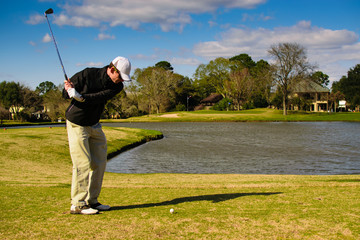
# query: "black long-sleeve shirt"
{"points": [[97, 88]]}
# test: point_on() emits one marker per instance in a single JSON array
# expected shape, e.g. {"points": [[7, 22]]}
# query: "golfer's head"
{"points": [[122, 67]]}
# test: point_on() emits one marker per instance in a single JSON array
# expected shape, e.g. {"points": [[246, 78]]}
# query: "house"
{"points": [[15, 110], [317, 95], [210, 101]]}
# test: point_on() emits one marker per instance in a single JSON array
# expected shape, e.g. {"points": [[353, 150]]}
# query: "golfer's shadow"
{"points": [[214, 198]]}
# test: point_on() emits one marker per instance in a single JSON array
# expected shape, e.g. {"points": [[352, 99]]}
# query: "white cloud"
{"points": [[185, 61], [90, 64], [103, 36], [46, 38], [257, 41], [183, 57], [62, 19], [32, 43], [328, 48], [77, 21], [255, 17], [168, 14], [144, 57], [35, 19]]}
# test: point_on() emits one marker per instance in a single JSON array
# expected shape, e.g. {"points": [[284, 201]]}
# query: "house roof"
{"points": [[213, 98], [309, 86]]}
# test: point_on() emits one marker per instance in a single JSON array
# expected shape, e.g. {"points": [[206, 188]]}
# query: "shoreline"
{"points": [[252, 115]]}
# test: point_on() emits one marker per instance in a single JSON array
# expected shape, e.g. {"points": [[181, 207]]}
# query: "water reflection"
{"points": [[248, 148]]}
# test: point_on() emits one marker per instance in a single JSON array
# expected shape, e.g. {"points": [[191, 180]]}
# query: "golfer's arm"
{"points": [[65, 94], [100, 96], [75, 82]]}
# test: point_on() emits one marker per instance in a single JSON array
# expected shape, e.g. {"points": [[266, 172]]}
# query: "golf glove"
{"points": [[74, 94]]}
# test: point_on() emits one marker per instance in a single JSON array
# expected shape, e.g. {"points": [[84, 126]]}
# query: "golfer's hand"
{"points": [[74, 94], [68, 84]]}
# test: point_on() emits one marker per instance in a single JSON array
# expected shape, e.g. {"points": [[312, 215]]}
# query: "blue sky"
{"points": [[185, 33]]}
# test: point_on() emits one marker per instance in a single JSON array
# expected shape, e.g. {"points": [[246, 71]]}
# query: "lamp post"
{"points": [[187, 103]]}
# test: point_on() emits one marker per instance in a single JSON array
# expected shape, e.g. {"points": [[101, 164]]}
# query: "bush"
{"points": [[222, 105], [248, 105], [4, 114], [132, 111], [260, 102], [180, 107]]}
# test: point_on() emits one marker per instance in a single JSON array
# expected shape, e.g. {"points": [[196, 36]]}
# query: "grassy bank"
{"points": [[254, 115], [42, 154], [35, 189], [9, 123]]}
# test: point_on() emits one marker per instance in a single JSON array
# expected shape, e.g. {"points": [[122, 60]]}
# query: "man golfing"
{"points": [[90, 89]]}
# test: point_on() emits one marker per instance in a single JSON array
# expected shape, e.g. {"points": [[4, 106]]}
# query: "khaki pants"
{"points": [[88, 152]]}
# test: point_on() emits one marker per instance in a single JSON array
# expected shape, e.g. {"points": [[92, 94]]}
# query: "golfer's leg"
{"points": [[80, 155], [98, 150]]}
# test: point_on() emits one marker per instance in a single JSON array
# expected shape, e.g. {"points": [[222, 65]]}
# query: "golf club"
{"points": [[50, 11]]}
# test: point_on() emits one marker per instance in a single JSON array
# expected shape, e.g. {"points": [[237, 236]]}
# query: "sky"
{"points": [[186, 33]]}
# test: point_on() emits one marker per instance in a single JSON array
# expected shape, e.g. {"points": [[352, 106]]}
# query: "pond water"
{"points": [[245, 148]]}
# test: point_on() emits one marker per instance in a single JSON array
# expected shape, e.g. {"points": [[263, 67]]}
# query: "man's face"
{"points": [[114, 74]]}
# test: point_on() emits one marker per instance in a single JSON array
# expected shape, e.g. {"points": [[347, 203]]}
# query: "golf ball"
{"points": [[171, 210]]}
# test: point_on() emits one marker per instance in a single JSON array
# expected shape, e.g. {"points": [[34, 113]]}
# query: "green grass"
{"points": [[254, 115], [35, 194], [5, 123]]}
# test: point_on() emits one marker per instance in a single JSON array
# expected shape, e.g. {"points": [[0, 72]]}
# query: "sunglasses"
{"points": [[116, 69]]}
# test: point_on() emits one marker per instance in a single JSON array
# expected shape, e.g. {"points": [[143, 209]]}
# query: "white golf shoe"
{"points": [[100, 207], [86, 210]]}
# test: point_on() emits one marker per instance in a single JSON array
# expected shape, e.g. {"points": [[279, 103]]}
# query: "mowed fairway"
{"points": [[35, 194]]}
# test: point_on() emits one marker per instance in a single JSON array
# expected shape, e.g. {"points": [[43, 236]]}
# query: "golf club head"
{"points": [[49, 11]]}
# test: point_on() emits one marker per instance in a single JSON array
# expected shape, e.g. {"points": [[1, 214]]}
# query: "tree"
{"points": [[202, 86], [114, 107], [263, 83], [4, 114], [336, 93], [260, 77], [335, 87], [350, 86], [31, 101], [55, 104], [320, 78], [165, 65], [157, 86], [10, 94], [215, 74], [334, 98], [290, 67], [240, 86], [244, 61], [10, 97], [44, 87], [277, 99], [185, 93], [20, 100], [239, 78]]}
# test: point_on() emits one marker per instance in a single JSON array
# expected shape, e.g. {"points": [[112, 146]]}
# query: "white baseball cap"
{"points": [[124, 66]]}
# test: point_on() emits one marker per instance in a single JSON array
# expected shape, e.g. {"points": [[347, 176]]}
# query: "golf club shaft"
{"points": [[57, 50]]}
